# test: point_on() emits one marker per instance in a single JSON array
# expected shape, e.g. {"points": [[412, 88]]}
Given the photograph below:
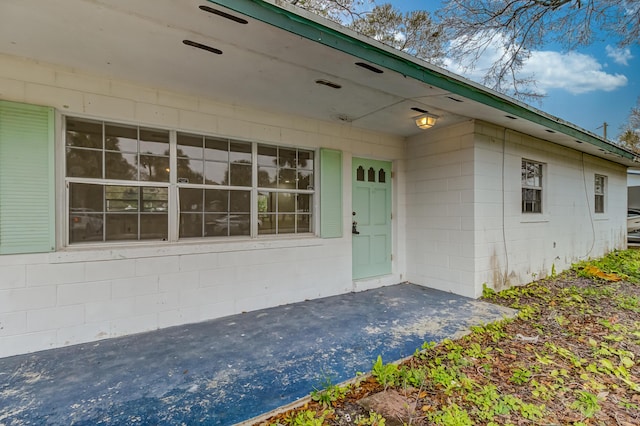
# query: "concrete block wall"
{"points": [[513, 248], [440, 209], [80, 294]]}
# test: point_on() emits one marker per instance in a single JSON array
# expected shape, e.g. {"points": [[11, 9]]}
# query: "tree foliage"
{"points": [[340, 11], [630, 136], [516, 27], [415, 32]]}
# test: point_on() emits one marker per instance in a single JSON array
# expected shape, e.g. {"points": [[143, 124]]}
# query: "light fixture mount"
{"points": [[426, 120]]}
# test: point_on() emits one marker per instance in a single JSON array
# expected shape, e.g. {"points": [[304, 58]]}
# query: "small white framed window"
{"points": [[531, 186], [599, 190]]}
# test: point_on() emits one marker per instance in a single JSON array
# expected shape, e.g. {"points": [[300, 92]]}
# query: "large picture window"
{"points": [[120, 178], [531, 186]]}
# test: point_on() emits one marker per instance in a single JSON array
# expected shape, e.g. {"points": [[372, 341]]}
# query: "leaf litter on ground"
{"points": [[570, 357]]}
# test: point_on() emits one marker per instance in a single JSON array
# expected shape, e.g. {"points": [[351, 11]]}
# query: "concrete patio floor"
{"points": [[232, 369]]}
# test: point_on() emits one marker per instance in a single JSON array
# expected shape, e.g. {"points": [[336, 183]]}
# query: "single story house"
{"points": [[167, 162]]}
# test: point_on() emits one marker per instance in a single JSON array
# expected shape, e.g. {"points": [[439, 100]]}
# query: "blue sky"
{"points": [[587, 87]]}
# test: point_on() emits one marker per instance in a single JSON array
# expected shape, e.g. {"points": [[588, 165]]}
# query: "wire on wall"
{"points": [[504, 231], [586, 194]]}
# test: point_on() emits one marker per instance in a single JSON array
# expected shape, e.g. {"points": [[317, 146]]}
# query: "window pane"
{"points": [[86, 196], [153, 141], [84, 163], [267, 177], [83, 133], [287, 179], [84, 225], [190, 225], [304, 223], [190, 146], [121, 138], [286, 224], [121, 227], [216, 200], [216, 225], [240, 152], [190, 171], [267, 156], [154, 226], [216, 173], [286, 202], [122, 198], [305, 160], [154, 169], [304, 203], [191, 200], [216, 149], [599, 207], [239, 224], [287, 158], [240, 174], [305, 179], [240, 201], [85, 212], [267, 224], [155, 199], [120, 166], [266, 202], [228, 224]]}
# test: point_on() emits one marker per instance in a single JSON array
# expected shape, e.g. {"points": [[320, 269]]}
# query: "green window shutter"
{"points": [[26, 178], [330, 193]]}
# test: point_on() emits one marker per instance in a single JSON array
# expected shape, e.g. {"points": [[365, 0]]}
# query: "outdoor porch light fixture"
{"points": [[426, 121]]}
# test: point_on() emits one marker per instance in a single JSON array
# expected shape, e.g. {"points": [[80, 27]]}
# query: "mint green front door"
{"points": [[372, 218]]}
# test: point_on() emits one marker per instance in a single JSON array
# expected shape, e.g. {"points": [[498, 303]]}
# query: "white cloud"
{"points": [[619, 56], [573, 72]]}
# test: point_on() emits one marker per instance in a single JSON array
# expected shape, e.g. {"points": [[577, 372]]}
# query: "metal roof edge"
{"points": [[316, 28]]}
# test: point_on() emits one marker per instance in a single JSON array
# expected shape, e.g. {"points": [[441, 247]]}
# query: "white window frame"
{"points": [[600, 194], [528, 184], [173, 188]]}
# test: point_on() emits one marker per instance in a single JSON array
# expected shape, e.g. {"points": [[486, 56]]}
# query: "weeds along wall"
{"points": [[80, 294], [514, 248]]}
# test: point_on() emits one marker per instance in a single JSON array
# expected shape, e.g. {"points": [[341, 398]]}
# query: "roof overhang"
{"points": [[273, 56]]}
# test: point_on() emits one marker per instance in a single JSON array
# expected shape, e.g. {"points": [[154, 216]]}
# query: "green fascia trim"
{"points": [[304, 27]]}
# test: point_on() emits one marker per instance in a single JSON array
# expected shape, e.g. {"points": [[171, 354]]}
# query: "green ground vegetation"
{"points": [[571, 356]]}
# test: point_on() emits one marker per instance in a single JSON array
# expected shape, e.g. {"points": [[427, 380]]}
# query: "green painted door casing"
{"points": [[372, 213], [26, 178]]}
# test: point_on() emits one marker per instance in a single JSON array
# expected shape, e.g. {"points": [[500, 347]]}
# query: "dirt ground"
{"points": [[571, 357]]}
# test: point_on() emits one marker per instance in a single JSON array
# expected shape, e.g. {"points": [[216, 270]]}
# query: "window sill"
{"points": [[600, 216], [137, 250], [534, 218]]}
